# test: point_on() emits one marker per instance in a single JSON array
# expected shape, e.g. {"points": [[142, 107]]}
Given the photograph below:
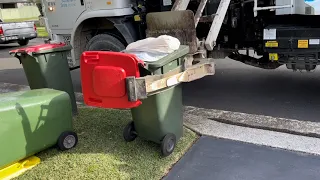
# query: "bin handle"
{"points": [[140, 88], [17, 56]]}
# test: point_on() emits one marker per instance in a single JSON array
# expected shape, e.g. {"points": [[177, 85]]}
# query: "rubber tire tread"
{"points": [[164, 143], [63, 136], [23, 42], [128, 132], [105, 41]]}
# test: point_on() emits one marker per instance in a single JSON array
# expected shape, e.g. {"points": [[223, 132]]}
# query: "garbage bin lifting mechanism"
{"points": [[141, 87], [113, 79]]}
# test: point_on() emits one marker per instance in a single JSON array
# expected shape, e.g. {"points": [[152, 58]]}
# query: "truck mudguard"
{"points": [[114, 16]]}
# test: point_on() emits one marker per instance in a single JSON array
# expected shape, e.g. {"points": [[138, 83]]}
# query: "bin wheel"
{"points": [[168, 144], [67, 140], [129, 133]]}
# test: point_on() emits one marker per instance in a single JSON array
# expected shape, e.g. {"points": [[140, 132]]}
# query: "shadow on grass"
{"points": [[103, 154]]}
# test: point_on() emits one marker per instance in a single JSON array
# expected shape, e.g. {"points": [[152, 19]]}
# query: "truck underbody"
{"points": [[242, 30]]}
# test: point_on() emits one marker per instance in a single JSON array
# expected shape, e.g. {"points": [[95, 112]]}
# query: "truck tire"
{"points": [[105, 42], [23, 42]]}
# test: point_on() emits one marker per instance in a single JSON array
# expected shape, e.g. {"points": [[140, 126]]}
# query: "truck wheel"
{"points": [[23, 42], [105, 42]]}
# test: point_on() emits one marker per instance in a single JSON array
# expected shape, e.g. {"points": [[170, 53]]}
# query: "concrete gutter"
{"points": [[7, 87], [292, 126], [262, 137]]}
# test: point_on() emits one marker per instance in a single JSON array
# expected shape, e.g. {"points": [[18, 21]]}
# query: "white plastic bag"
{"points": [[162, 44], [149, 57]]}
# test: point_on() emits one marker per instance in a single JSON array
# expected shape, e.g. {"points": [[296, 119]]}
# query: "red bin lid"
{"points": [[103, 78], [37, 48]]}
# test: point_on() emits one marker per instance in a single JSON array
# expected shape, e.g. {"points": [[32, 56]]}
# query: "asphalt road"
{"points": [[241, 88], [219, 159], [5, 48], [235, 87]]}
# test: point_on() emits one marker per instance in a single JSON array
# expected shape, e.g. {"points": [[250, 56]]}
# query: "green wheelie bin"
{"points": [[32, 121], [46, 66], [160, 116]]}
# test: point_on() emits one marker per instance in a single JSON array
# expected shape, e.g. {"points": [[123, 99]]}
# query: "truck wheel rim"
{"points": [[69, 141]]}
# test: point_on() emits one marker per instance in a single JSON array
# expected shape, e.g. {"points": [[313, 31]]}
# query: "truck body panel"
{"points": [[223, 27], [69, 30], [62, 14]]}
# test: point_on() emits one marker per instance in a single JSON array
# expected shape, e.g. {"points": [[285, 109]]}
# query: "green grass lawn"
{"points": [[21, 20], [103, 154], [42, 32]]}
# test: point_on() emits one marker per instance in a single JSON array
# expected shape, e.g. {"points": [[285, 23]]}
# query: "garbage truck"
{"points": [[261, 33]]}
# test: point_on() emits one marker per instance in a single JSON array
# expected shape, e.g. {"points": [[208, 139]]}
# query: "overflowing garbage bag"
{"points": [[152, 49]]}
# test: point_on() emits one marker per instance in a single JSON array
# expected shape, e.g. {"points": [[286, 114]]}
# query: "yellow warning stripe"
{"points": [[272, 44]]}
